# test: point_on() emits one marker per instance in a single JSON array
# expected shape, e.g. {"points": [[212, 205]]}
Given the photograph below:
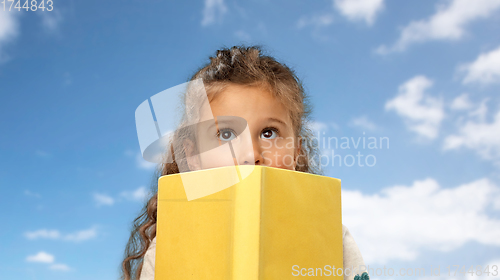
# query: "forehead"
{"points": [[249, 102]]}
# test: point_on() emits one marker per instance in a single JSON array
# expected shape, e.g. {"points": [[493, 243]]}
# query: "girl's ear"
{"points": [[192, 158]]}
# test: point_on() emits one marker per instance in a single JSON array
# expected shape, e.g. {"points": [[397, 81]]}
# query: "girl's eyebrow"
{"points": [[277, 120], [236, 123], [218, 122]]}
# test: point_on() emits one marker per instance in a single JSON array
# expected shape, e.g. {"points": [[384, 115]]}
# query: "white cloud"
{"points": [[422, 113], [129, 153], [144, 164], [41, 153], [9, 30], [60, 267], [56, 235], [478, 135], [41, 257], [471, 110], [213, 11], [480, 111], [33, 194], [316, 21], [262, 28], [43, 233], [360, 10], [139, 194], [81, 235], [400, 222], [461, 102], [448, 23], [484, 70], [318, 127], [67, 79], [242, 35], [102, 199], [364, 123], [140, 161], [51, 20]]}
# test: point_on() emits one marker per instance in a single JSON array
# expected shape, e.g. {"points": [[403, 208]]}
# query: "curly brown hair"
{"points": [[240, 65]]}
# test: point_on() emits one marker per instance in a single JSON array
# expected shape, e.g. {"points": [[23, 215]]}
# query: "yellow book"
{"points": [[274, 224]]}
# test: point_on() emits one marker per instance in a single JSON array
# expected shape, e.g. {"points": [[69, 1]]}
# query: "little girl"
{"points": [[243, 83]]}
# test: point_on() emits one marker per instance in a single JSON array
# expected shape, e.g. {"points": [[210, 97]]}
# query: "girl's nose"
{"points": [[252, 154]]}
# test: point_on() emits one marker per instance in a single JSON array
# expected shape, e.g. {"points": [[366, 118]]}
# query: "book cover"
{"points": [[273, 224]]}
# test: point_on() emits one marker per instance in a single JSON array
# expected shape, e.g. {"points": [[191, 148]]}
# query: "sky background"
{"points": [[424, 74]]}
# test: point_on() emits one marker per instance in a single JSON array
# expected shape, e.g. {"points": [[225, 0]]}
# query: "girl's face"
{"points": [[251, 127]]}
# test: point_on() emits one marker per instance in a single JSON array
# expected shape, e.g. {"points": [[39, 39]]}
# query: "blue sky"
{"points": [[424, 74]]}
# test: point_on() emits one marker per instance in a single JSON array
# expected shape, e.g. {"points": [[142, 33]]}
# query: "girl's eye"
{"points": [[269, 134], [226, 134]]}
